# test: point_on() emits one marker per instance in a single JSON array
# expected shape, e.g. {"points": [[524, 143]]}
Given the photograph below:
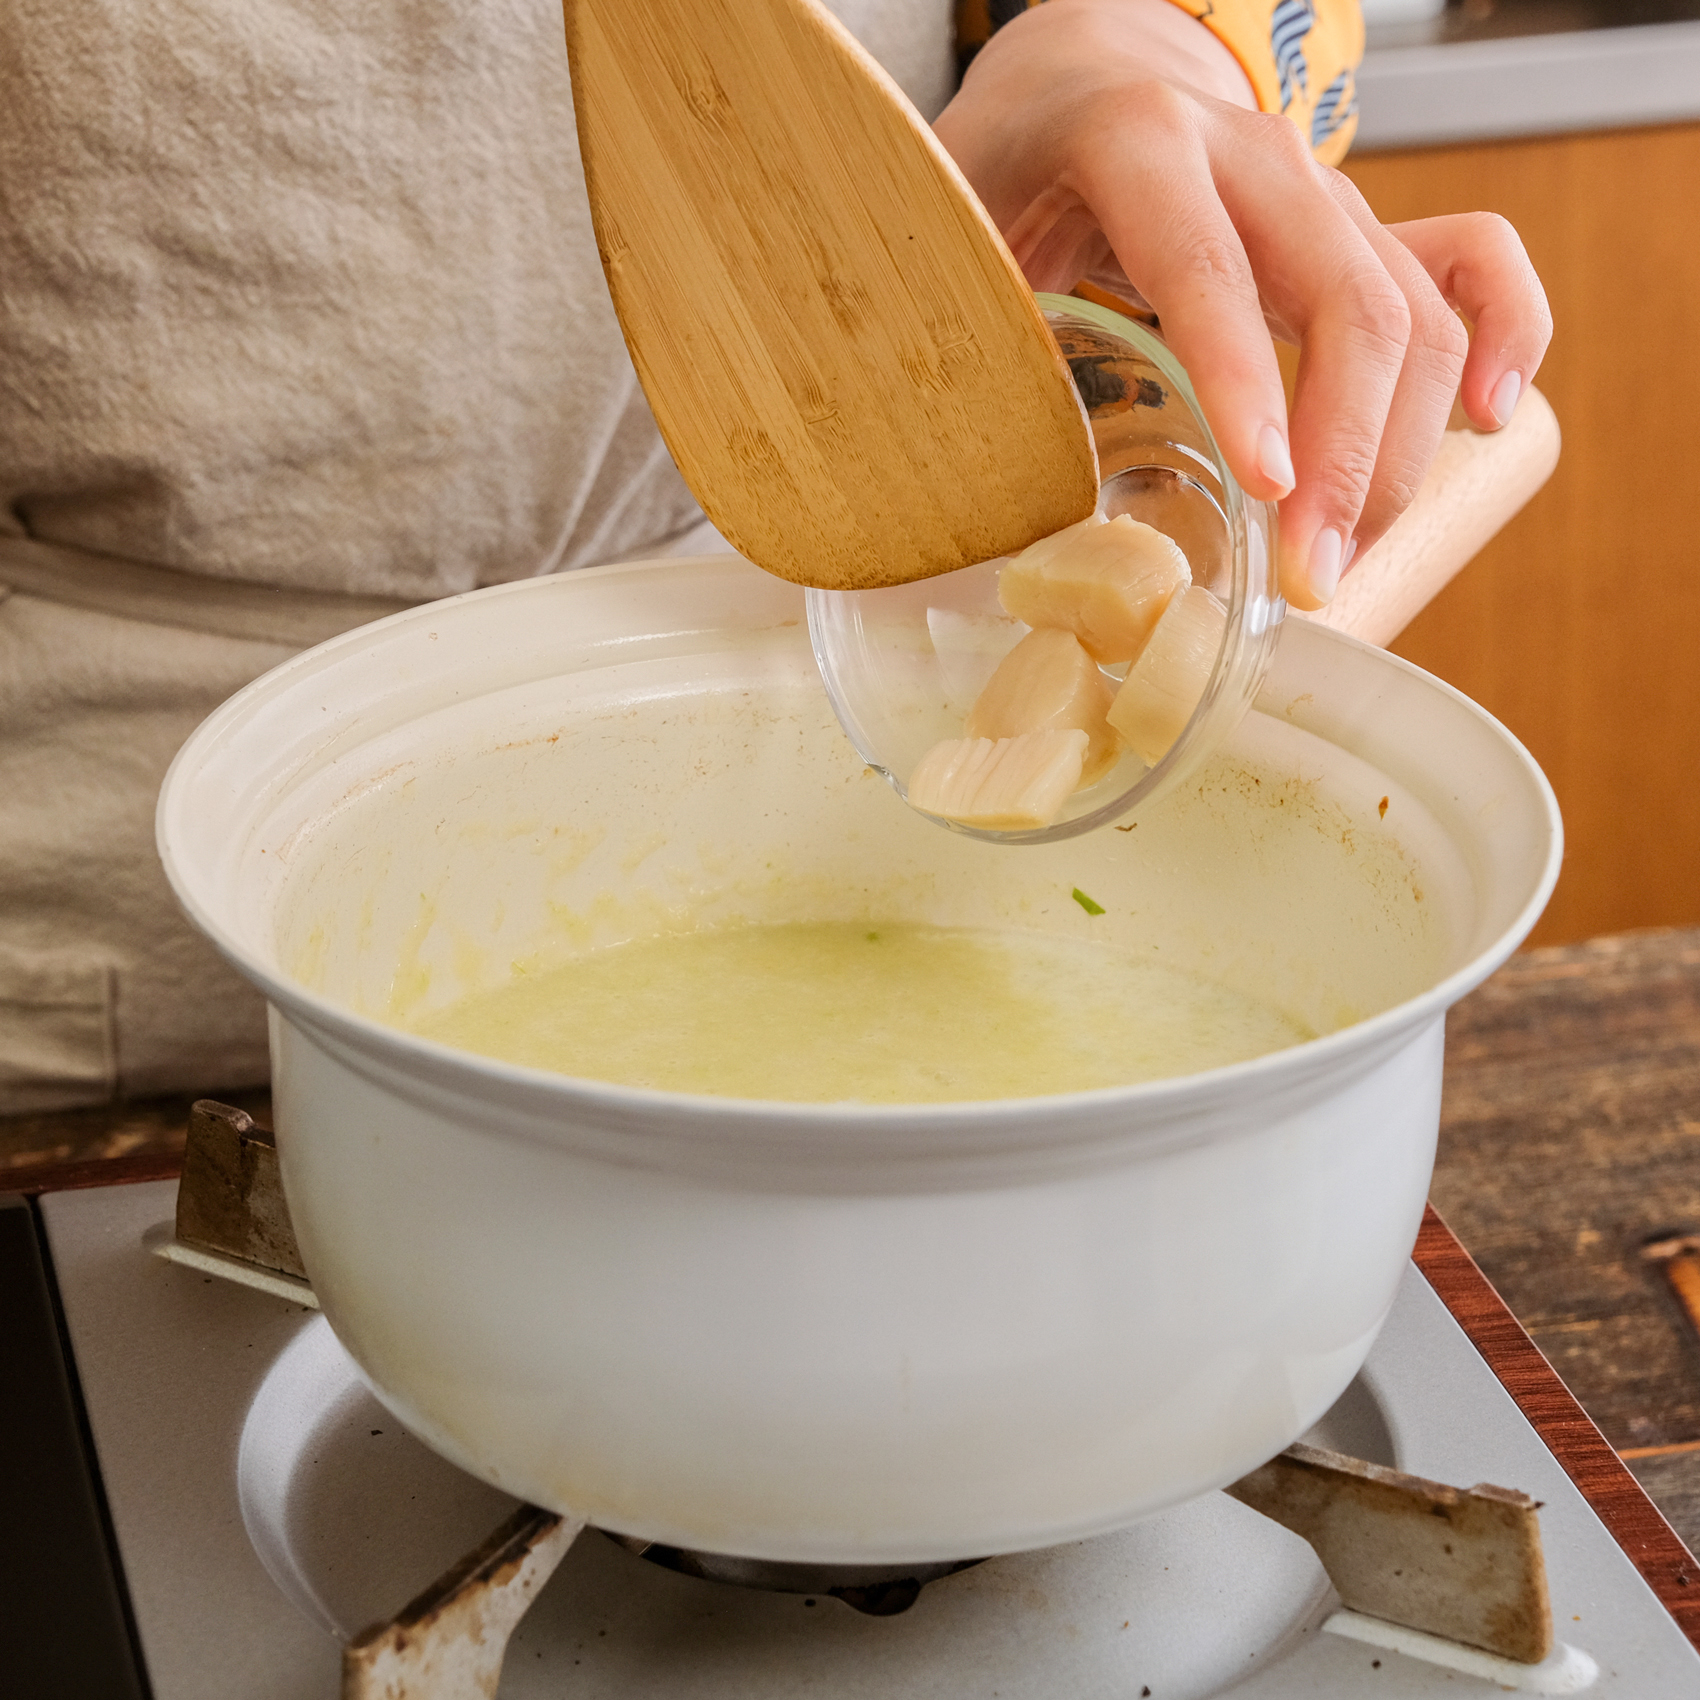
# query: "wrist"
{"points": [[1170, 42]]}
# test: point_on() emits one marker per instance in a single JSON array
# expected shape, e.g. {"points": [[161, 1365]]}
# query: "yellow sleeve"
{"points": [[1301, 56]]}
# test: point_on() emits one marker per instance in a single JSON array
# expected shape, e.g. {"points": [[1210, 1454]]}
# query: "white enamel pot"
{"points": [[834, 1332]]}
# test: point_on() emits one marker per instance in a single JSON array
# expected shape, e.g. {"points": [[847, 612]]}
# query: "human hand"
{"points": [[1115, 141]]}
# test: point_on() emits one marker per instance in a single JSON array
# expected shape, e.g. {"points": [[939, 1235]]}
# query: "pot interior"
{"points": [[505, 782]]}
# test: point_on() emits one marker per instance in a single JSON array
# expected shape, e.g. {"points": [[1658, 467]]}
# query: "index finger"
{"points": [[1148, 179], [1320, 274]]}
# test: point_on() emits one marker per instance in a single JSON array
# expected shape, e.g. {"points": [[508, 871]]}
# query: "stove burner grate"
{"points": [[876, 1590]]}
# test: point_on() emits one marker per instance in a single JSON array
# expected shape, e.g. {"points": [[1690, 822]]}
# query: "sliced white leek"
{"points": [[1049, 683], [1004, 783], [1037, 554], [1169, 675], [1108, 584]]}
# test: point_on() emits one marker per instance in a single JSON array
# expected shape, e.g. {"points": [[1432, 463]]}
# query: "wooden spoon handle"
{"points": [[1477, 482]]}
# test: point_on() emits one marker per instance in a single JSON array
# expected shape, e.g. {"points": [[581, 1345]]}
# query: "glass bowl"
{"points": [[903, 666]]}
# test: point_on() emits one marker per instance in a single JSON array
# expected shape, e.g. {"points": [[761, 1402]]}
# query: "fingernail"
{"points": [[1274, 461], [1503, 402], [1327, 559]]}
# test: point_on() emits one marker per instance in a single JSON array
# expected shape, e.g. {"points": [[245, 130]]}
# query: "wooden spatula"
{"points": [[843, 357]]}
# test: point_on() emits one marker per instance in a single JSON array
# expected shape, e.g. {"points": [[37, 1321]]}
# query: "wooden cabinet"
{"points": [[1579, 626]]}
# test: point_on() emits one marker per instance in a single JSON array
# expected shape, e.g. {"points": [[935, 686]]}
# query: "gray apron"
{"points": [[300, 322]]}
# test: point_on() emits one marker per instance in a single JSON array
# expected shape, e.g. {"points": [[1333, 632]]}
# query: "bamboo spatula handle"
{"points": [[1477, 482]]}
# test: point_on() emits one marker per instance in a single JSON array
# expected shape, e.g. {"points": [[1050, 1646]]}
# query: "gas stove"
{"points": [[266, 1510]]}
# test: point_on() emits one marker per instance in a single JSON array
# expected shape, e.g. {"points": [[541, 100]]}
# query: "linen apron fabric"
{"points": [[292, 294]]}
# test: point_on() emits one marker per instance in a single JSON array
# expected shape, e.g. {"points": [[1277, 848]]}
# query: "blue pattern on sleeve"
{"points": [[1291, 23], [1338, 103]]}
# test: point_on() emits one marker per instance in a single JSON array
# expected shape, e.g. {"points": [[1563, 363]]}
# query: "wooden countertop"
{"points": [[1570, 1138]]}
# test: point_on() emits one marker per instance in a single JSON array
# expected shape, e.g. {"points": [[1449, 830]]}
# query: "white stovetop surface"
{"points": [[356, 1517]]}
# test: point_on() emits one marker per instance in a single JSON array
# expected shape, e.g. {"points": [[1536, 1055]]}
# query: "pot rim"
{"points": [[546, 1093]]}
